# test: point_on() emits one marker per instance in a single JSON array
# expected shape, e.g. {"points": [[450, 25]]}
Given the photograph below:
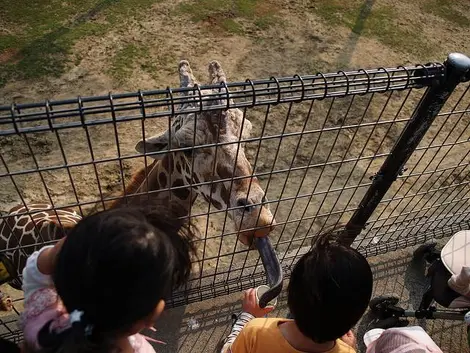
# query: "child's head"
{"points": [[118, 267], [329, 289]]}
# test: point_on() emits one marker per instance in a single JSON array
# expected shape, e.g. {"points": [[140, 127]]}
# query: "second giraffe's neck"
{"points": [[154, 177]]}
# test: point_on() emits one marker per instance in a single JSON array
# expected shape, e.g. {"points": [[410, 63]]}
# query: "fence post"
{"points": [[457, 70]]}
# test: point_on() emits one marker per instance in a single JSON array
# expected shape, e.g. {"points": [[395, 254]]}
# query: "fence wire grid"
{"points": [[316, 144]]}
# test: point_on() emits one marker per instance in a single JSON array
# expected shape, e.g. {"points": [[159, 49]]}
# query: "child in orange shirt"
{"points": [[329, 291]]}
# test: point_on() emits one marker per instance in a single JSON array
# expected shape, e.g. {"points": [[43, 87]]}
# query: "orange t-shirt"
{"points": [[263, 335]]}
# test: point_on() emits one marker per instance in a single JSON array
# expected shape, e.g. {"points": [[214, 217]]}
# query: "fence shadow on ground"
{"points": [[201, 327]]}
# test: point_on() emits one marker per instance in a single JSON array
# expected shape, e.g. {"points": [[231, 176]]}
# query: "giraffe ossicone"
{"points": [[214, 167]]}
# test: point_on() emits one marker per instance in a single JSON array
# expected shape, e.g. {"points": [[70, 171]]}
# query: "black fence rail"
{"points": [[383, 151]]}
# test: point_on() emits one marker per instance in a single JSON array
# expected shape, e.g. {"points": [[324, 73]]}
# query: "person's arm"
{"points": [[47, 259], [237, 327], [250, 310], [39, 268]]}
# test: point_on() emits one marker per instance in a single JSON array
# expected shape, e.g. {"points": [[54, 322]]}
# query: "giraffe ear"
{"points": [[153, 144], [179, 139]]}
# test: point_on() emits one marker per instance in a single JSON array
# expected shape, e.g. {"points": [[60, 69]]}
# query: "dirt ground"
{"points": [[301, 37]]}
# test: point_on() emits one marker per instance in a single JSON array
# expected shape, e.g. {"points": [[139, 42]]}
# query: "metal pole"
{"points": [[457, 70], [442, 314]]}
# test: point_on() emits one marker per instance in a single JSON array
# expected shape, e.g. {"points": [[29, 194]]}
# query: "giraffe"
{"points": [[28, 227], [244, 195]]}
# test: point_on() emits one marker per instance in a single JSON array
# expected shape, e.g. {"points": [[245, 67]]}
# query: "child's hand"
{"points": [[349, 339], [250, 304]]}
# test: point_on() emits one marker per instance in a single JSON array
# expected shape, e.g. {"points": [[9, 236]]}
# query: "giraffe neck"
{"points": [[150, 182], [20, 229]]}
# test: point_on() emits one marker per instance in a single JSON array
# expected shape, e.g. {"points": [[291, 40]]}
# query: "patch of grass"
{"points": [[232, 26], [7, 41], [123, 63], [336, 12], [44, 31], [379, 22], [447, 9], [231, 16], [118, 10], [134, 56], [266, 21]]}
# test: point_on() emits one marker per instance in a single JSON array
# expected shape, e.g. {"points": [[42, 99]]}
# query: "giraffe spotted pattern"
{"points": [[222, 174], [25, 230]]}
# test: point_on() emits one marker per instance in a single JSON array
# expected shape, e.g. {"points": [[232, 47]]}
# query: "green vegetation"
{"points": [[124, 61], [133, 56], [40, 33], [380, 22], [236, 17], [232, 26], [37, 36], [457, 12]]}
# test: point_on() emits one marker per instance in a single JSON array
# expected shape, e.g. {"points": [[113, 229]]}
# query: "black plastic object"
{"points": [[8, 347], [273, 269], [7, 270]]}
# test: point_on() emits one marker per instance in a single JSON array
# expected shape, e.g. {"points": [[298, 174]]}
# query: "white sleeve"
{"points": [[237, 327], [33, 279]]}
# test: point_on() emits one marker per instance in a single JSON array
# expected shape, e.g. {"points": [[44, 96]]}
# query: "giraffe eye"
{"points": [[248, 206]]}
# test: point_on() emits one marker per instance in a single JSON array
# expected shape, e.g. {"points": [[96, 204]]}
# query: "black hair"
{"points": [[329, 289], [115, 266]]}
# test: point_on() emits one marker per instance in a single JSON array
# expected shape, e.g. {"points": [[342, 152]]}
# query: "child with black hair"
{"points": [[96, 289], [329, 290]]}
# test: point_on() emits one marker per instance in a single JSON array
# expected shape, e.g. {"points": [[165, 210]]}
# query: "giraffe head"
{"points": [[217, 164]]}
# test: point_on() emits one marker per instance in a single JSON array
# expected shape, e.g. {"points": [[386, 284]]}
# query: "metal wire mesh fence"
{"points": [[429, 198], [315, 146]]}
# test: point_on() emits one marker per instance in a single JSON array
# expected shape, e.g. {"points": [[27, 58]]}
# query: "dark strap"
{"points": [[48, 339], [7, 270], [8, 346]]}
